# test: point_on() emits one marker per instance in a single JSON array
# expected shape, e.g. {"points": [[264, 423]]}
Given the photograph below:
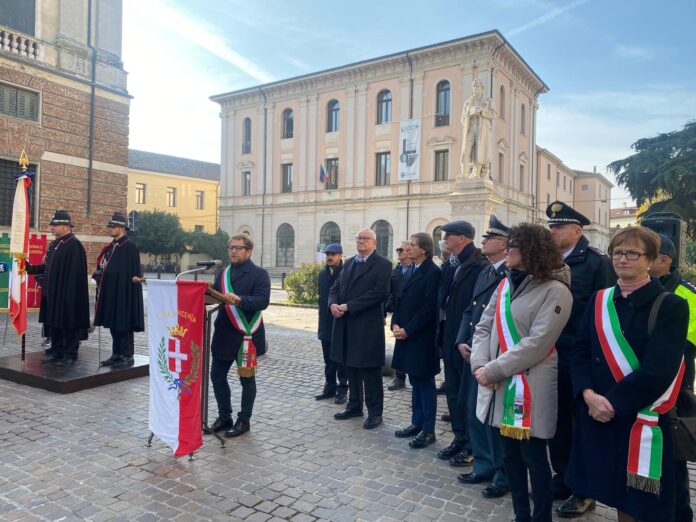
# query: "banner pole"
{"points": [[7, 320], [24, 342]]}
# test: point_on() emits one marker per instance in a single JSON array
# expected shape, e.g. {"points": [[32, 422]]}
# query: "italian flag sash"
{"points": [[516, 419], [644, 468], [246, 358]]}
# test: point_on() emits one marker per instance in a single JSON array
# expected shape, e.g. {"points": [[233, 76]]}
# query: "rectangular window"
{"points": [[171, 196], [570, 186], [332, 173], [8, 187], [140, 193], [521, 178], [246, 183], [564, 183], [198, 228], [19, 103], [382, 168], [441, 165], [558, 179], [287, 177], [501, 167], [200, 200], [548, 171]]}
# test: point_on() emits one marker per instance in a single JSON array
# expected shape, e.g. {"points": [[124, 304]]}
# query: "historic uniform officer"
{"points": [[65, 299], [239, 333], [357, 303], [119, 301], [332, 370], [403, 265], [590, 270], [485, 441]]}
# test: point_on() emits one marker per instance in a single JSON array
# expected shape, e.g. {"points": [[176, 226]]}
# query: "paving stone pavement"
{"points": [[83, 456]]}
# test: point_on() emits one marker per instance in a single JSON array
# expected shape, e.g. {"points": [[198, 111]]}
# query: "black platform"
{"points": [[80, 375]]}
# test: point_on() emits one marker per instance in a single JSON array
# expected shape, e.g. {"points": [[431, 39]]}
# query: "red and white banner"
{"points": [[175, 336], [19, 249]]}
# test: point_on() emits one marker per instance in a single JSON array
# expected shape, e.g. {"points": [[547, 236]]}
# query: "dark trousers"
{"points": [[122, 343], [559, 445], [65, 341], [522, 456], [423, 402], [218, 375], [683, 510], [371, 378], [457, 409], [333, 371]]}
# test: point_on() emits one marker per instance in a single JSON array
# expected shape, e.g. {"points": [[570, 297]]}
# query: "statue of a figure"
{"points": [[477, 128]]}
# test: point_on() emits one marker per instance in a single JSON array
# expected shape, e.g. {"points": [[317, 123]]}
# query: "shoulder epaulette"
{"points": [[597, 251], [688, 286]]}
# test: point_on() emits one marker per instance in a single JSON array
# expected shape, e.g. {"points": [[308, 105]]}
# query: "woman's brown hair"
{"points": [[634, 235], [540, 254]]}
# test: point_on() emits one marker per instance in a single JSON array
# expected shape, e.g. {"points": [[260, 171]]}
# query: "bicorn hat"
{"points": [[61, 217], [560, 213]]}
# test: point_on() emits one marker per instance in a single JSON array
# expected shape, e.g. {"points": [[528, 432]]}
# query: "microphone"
{"points": [[210, 263]]}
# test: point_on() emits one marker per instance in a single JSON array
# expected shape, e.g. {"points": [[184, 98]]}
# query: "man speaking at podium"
{"points": [[239, 333]]}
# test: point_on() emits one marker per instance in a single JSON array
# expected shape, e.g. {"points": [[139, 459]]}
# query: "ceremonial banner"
{"points": [[175, 338], [5, 263], [409, 150], [38, 244], [19, 249]]}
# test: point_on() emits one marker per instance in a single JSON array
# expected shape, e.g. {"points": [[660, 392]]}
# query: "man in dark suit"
{"points": [[454, 297], [403, 265], [357, 302], [485, 441], [249, 288], [332, 370]]}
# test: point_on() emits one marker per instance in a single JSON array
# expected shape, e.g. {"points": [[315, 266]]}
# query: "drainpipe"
{"points": [[265, 161], [92, 96]]}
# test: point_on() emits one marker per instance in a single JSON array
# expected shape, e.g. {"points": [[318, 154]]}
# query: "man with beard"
{"points": [[64, 307], [119, 302]]}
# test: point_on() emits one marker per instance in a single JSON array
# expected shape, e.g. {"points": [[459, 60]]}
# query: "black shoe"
{"points": [[449, 451], [341, 398], [411, 431], [124, 361], [397, 384], [472, 478], [50, 350], [239, 427], [53, 358], [575, 507], [347, 414], [560, 490], [462, 459], [422, 440], [114, 359], [66, 359], [441, 389], [445, 417], [325, 394], [221, 424], [495, 491], [372, 422]]}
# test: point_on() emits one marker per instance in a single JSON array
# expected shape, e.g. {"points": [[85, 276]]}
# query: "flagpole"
{"points": [[24, 339]]}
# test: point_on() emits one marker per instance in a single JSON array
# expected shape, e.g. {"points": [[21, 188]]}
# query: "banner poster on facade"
{"points": [[38, 243], [175, 319], [409, 150]]}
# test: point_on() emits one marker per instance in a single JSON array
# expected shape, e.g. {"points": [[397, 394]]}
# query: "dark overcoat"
{"points": [[325, 282], [415, 310], [486, 285], [599, 453], [253, 285], [119, 304], [358, 336], [397, 276]]}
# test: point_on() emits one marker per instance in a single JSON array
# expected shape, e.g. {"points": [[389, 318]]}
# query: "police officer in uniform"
{"points": [[590, 270]]}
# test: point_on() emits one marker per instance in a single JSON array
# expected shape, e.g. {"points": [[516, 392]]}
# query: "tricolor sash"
{"points": [[516, 419], [644, 467], [246, 358]]}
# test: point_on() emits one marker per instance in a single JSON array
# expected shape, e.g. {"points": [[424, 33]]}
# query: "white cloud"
{"points": [[554, 13], [634, 53]]}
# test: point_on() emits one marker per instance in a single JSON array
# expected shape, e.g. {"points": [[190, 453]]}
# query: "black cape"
{"points": [[64, 294], [119, 304]]}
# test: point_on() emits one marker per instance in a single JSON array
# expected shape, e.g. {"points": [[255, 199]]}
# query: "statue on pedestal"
{"points": [[477, 129]]}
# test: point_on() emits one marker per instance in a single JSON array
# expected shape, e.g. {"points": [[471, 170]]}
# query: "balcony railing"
{"points": [[18, 43]]}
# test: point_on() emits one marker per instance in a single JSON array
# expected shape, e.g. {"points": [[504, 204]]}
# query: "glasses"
{"points": [[631, 255], [363, 238], [236, 248], [399, 250], [510, 245]]}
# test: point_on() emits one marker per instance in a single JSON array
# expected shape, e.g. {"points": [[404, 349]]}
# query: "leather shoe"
{"points": [[221, 424], [397, 384], [445, 417], [449, 451], [372, 422], [51, 358], [124, 361], [325, 394], [462, 459], [111, 360], [347, 414], [575, 507], [422, 440], [471, 478], [341, 398], [239, 427], [411, 431], [494, 491]]}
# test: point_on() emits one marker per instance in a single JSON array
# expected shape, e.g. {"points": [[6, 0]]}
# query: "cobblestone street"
{"points": [[83, 456]]}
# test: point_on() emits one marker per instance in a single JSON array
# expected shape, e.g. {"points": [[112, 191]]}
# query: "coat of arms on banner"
{"points": [[178, 367]]}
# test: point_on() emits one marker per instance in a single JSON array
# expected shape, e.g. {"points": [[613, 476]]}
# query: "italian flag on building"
{"points": [[175, 337]]}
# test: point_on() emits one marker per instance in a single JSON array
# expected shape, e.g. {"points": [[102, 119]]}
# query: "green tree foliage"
{"points": [[691, 252], [215, 245], [664, 165], [302, 285], [159, 233]]}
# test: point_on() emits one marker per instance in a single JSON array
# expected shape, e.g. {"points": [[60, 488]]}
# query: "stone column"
{"points": [[359, 178], [227, 154], [301, 166], [349, 165], [312, 166]]}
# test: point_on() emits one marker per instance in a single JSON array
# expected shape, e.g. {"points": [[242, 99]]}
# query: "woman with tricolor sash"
{"points": [[626, 371], [515, 363]]}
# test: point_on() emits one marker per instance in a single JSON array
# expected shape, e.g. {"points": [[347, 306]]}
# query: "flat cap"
{"points": [[560, 213], [460, 228], [496, 228], [333, 248]]}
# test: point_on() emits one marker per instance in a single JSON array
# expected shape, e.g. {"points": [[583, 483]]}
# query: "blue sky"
{"points": [[618, 70]]}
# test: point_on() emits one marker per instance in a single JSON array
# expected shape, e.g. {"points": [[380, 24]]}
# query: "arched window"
{"points": [[332, 110], [501, 103], [385, 238], [523, 119], [437, 236], [133, 220], [442, 104], [384, 106], [330, 233], [246, 136], [285, 245], [288, 117]]}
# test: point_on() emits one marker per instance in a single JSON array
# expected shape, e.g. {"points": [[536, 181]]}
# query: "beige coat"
{"points": [[540, 310]]}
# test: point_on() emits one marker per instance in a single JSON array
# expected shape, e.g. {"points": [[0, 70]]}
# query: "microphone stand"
{"points": [[192, 271]]}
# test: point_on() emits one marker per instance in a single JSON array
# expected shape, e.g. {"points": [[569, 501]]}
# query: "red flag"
{"points": [[19, 249]]}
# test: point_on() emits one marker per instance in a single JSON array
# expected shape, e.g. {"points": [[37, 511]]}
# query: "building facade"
{"points": [[626, 216], [311, 160]]}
